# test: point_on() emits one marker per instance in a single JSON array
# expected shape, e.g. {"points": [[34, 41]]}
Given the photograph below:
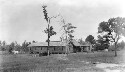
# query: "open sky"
{"points": [[24, 20]]}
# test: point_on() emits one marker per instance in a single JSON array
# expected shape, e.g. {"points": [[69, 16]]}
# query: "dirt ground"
{"points": [[75, 62]]}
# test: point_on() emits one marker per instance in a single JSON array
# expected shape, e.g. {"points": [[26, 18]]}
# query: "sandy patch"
{"points": [[105, 65], [111, 67]]}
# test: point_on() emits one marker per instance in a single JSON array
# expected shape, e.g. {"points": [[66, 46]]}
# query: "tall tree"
{"points": [[68, 31], [4, 45], [114, 28], [24, 46], [11, 47], [48, 30]]}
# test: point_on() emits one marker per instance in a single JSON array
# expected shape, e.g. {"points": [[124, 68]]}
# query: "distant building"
{"points": [[57, 47]]}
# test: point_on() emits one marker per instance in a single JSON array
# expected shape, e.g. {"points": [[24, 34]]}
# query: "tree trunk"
{"points": [[115, 49], [115, 53], [117, 39], [48, 49], [48, 38], [66, 44]]}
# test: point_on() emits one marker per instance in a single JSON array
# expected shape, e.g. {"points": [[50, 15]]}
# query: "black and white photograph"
{"points": [[62, 35]]}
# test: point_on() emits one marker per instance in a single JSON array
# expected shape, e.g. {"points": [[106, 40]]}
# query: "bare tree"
{"points": [[68, 31]]}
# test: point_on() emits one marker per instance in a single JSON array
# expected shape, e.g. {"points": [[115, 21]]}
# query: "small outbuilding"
{"points": [[77, 47]]}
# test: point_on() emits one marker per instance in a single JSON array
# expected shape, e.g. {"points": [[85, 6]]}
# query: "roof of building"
{"points": [[46, 44], [56, 43]]}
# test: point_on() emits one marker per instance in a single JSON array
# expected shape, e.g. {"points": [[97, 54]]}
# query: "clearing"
{"points": [[75, 62]]}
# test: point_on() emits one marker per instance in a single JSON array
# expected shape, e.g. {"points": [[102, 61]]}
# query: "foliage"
{"points": [[3, 45], [69, 29], [45, 12], [33, 41], [24, 46], [50, 31], [114, 28], [121, 45], [102, 42], [81, 42], [90, 39], [14, 46], [11, 47], [0, 43]]}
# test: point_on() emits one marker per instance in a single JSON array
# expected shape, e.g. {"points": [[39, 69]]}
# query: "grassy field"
{"points": [[59, 62]]}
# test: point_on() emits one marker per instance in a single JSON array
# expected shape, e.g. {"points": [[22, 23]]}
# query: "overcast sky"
{"points": [[24, 20]]}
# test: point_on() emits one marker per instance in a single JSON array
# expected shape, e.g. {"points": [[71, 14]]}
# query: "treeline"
{"points": [[22, 48], [109, 34], [101, 43]]}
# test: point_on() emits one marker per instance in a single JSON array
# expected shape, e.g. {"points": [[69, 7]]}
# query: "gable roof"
{"points": [[46, 44]]}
